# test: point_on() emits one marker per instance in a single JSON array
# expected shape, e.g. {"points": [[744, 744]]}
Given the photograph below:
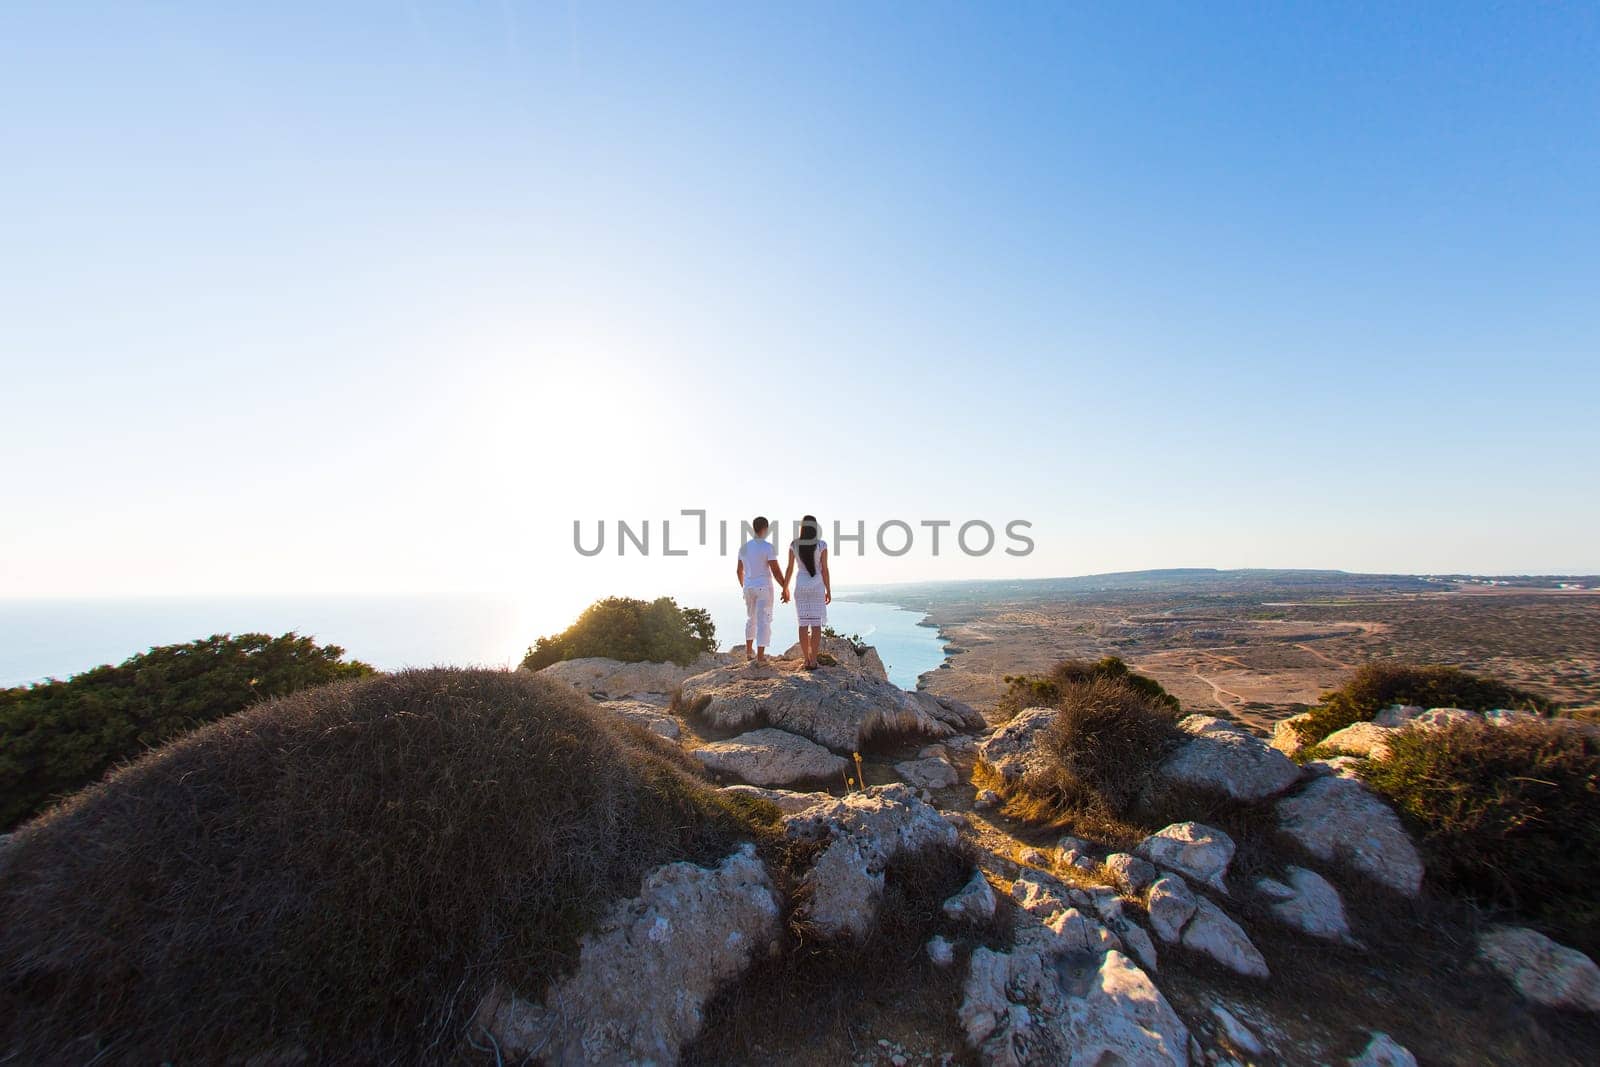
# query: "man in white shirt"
{"points": [[758, 567]]}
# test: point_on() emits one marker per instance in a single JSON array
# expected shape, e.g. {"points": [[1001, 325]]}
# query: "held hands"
{"points": [[785, 594], [827, 596]]}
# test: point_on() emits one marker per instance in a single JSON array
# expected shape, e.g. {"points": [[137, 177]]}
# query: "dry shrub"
{"points": [[1100, 753], [1375, 686], [1508, 815], [344, 871], [1033, 691]]}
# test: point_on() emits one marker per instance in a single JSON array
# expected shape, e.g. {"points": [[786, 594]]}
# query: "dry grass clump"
{"points": [[343, 871], [1375, 686], [1100, 754], [1032, 691], [1507, 815]]}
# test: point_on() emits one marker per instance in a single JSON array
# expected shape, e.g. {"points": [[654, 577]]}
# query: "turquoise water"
{"points": [[57, 638], [908, 649]]}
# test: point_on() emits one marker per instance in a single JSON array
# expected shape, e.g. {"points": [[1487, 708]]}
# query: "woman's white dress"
{"points": [[809, 592]]}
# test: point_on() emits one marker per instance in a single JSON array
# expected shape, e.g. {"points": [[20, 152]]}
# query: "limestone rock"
{"points": [[1384, 1051], [1336, 767], [1040, 894], [610, 679], [1397, 714], [1112, 910], [653, 717], [1285, 738], [1339, 819], [974, 903], [1192, 849], [1130, 871], [1544, 971], [1034, 857], [833, 706], [1436, 717], [646, 971], [985, 798], [1012, 750], [1364, 739], [1213, 933], [1044, 1002], [1170, 904], [940, 951], [788, 801], [930, 773], [866, 661], [1240, 1036], [1307, 902], [1226, 758], [862, 833], [1072, 857], [771, 757], [1510, 717]]}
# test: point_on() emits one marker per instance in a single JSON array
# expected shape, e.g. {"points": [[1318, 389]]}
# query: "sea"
{"points": [[57, 638]]}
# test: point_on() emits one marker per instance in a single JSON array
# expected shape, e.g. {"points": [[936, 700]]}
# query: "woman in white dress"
{"points": [[813, 587]]}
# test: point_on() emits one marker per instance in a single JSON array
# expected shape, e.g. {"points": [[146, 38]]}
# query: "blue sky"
{"points": [[382, 297]]}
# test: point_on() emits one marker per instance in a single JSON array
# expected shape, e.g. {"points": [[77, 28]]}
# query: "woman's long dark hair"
{"points": [[807, 545]]}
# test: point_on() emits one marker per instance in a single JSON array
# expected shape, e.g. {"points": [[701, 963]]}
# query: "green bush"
{"points": [[345, 872], [1101, 751], [1376, 686], [632, 631], [1507, 815], [1032, 691], [57, 737]]}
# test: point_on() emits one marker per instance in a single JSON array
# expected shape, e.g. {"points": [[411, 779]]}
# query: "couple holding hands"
{"points": [[813, 588]]}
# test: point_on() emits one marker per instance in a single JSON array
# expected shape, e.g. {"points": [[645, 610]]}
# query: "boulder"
{"points": [[646, 971], [864, 660], [940, 951], [788, 801], [1397, 714], [610, 679], [1384, 1051], [1307, 902], [1130, 872], [929, 773], [833, 706], [1340, 819], [1225, 758], [1193, 850], [1170, 905], [1285, 738], [1544, 971], [1211, 932], [1365, 739], [653, 717], [771, 757], [1436, 717], [861, 833], [1045, 1002], [1072, 857], [1012, 750], [1336, 767], [974, 903]]}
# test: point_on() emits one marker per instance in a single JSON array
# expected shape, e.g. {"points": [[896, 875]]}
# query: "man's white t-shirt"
{"points": [[755, 555]]}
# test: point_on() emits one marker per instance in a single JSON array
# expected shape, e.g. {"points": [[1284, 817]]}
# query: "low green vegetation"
{"points": [[632, 631], [345, 871], [57, 737], [1376, 686], [1506, 815], [1031, 691]]}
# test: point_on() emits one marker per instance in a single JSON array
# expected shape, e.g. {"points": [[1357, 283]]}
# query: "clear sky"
{"points": [[383, 296]]}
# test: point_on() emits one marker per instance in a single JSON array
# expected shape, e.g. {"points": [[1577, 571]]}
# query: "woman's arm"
{"points": [[788, 572], [827, 580]]}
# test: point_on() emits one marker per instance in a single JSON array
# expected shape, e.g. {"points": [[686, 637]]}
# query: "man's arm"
{"points": [[739, 572], [783, 583]]}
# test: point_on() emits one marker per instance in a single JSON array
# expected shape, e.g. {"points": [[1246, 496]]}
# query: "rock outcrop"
{"points": [[1193, 850], [861, 833], [1544, 971], [653, 717], [842, 652], [610, 679], [771, 757], [787, 801], [1226, 758], [1285, 738], [1012, 750], [1340, 819], [833, 706], [1307, 902], [646, 971], [929, 773]]}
